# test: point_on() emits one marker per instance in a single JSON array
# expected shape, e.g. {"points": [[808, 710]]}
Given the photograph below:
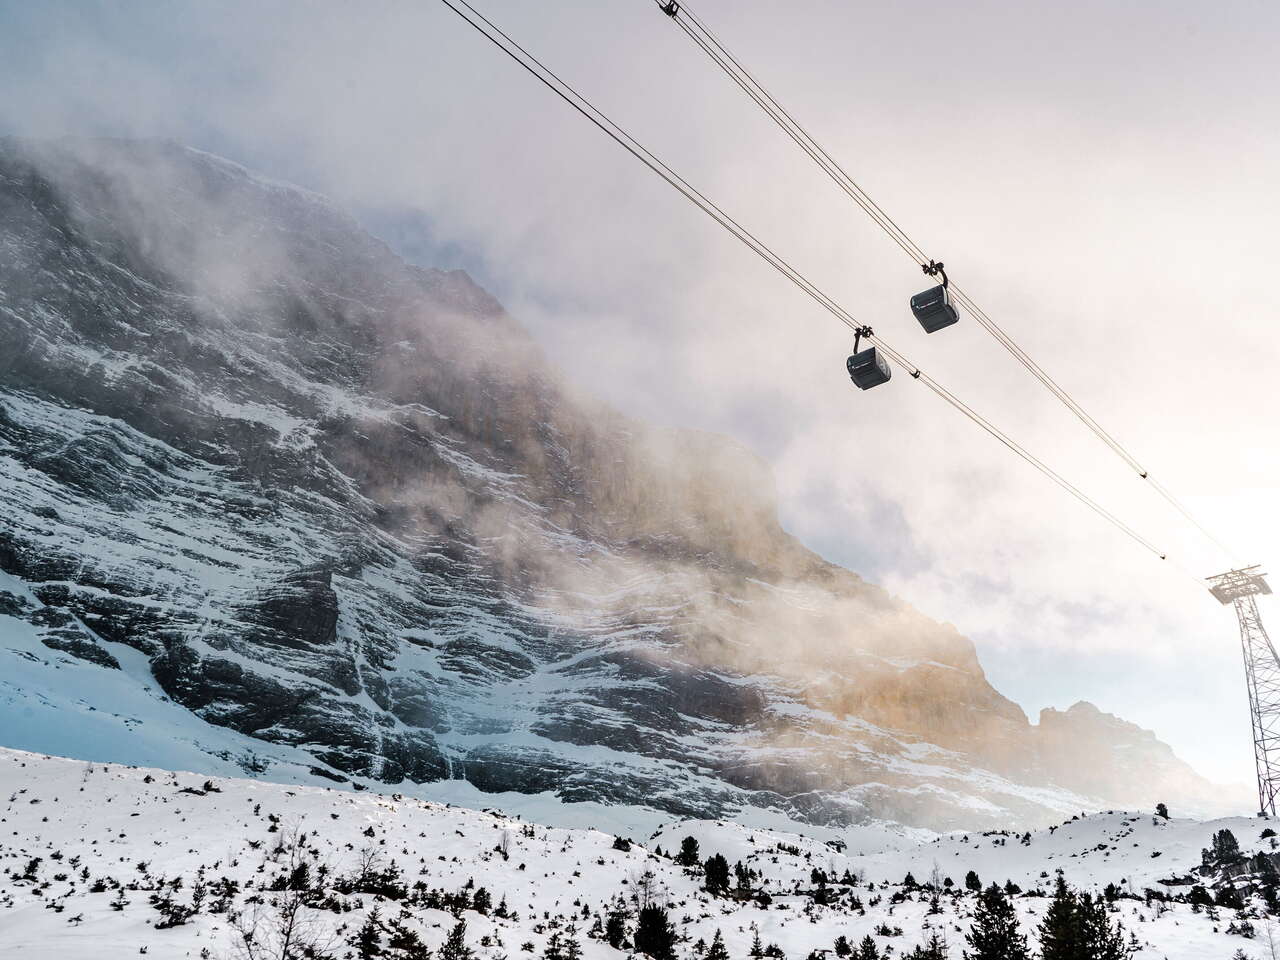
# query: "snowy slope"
{"points": [[93, 826]]}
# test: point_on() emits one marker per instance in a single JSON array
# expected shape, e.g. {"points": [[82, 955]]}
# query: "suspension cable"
{"points": [[706, 40], [495, 35]]}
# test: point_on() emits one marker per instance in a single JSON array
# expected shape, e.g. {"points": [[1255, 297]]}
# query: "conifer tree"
{"points": [[654, 934], [757, 948], [1103, 940], [935, 903], [717, 874], [615, 929], [934, 949], [868, 950], [717, 950], [971, 882], [572, 945], [368, 941], [455, 947], [995, 934], [405, 944], [688, 855], [1078, 927], [1060, 931], [1226, 849]]}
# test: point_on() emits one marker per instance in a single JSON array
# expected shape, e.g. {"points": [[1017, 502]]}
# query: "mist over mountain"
{"points": [[343, 514]]}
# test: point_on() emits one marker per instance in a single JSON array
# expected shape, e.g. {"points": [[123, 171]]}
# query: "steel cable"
{"points": [[706, 40], [561, 88]]}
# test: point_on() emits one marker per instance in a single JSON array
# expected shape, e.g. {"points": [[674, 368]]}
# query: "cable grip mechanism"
{"points": [[671, 8], [859, 333], [933, 268]]}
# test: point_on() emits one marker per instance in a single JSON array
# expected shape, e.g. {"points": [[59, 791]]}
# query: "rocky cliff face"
{"points": [[343, 505]]}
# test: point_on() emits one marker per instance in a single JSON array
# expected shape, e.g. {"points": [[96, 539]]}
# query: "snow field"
{"points": [[87, 822]]}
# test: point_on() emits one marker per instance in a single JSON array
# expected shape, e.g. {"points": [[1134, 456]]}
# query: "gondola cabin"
{"points": [[868, 368], [934, 309]]}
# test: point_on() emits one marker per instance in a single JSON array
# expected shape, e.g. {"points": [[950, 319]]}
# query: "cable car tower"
{"points": [[1262, 674]]}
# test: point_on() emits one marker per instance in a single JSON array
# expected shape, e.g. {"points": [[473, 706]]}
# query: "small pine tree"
{"points": [[1077, 927], [1199, 896], [717, 874], [757, 948], [455, 947], [572, 945], [1226, 849], [300, 878], [688, 855], [868, 950], [971, 881], [934, 949], [717, 950], [842, 946], [1102, 939], [615, 928], [995, 934], [1162, 811], [1060, 934], [368, 939], [654, 934], [554, 950], [405, 944]]}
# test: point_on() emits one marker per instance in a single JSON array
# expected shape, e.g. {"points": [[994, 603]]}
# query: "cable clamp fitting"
{"points": [[859, 333], [933, 268], [671, 8]]}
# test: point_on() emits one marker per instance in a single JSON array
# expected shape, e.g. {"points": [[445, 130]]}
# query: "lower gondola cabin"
{"points": [[868, 368]]}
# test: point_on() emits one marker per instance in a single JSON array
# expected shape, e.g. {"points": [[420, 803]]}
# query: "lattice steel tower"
{"points": [[1262, 674]]}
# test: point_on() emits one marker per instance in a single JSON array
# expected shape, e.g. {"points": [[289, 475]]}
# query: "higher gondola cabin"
{"points": [[868, 368], [934, 309]]}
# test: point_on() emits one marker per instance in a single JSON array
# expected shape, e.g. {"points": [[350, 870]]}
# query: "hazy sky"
{"points": [[1101, 177]]}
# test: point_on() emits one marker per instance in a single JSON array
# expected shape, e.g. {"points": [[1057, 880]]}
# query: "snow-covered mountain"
{"points": [[102, 861], [274, 501]]}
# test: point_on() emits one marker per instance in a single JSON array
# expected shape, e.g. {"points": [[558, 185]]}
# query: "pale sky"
{"points": [[1100, 176]]}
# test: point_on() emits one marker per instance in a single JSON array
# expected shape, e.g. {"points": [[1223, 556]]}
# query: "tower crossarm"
{"points": [[1244, 582]]}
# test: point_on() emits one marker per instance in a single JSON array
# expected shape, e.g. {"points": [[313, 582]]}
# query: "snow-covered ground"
{"points": [[87, 849]]}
